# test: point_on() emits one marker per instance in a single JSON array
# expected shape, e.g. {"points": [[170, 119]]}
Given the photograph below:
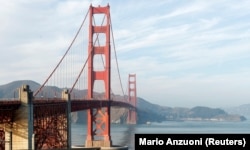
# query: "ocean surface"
{"points": [[124, 134]]}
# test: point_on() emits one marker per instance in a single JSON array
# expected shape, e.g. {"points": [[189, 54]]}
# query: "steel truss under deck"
{"points": [[50, 124]]}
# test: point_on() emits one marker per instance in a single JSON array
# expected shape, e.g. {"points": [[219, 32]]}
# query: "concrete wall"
{"points": [[22, 127]]}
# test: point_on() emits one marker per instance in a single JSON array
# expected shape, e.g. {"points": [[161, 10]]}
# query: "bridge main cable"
{"points": [[63, 55], [79, 75], [116, 58]]}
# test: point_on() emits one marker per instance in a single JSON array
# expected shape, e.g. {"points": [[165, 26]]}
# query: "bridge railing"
{"points": [[46, 100], [5, 102], [9, 99]]}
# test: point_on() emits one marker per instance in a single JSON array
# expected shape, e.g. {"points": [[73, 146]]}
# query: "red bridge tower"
{"points": [[132, 98], [98, 132]]}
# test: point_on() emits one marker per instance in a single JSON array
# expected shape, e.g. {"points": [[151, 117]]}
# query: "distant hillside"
{"points": [[199, 113], [11, 89], [146, 111], [241, 110]]}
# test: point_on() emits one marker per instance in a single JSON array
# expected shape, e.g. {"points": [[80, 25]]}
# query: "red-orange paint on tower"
{"points": [[98, 132], [132, 98]]}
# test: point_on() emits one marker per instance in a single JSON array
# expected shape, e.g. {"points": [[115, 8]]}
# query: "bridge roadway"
{"points": [[8, 107]]}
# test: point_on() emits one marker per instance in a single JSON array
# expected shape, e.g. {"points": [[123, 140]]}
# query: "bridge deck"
{"points": [[76, 104], [7, 104], [7, 108], [82, 104]]}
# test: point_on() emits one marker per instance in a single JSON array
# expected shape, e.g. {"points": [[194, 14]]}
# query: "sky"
{"points": [[184, 53]]}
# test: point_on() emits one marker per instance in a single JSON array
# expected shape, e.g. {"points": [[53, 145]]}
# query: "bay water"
{"points": [[124, 134]]}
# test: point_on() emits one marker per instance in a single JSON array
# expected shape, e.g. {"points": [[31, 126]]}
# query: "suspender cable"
{"points": [[79, 75], [62, 57], [116, 58]]}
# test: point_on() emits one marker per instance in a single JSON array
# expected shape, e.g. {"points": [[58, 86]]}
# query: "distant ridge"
{"points": [[242, 110], [8, 90], [146, 111]]}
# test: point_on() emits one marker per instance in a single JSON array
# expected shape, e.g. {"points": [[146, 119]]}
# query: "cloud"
{"points": [[194, 52], [198, 89], [201, 43]]}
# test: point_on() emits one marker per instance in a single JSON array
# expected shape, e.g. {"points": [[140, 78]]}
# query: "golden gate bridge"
{"points": [[42, 120]]}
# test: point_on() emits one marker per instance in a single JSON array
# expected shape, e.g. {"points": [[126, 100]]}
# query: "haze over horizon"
{"points": [[184, 53]]}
